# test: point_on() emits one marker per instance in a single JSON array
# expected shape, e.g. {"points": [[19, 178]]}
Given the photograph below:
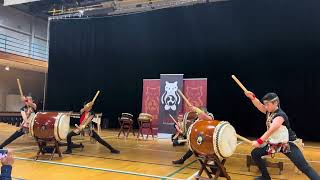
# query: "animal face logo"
{"points": [[152, 101], [195, 95], [170, 98]]}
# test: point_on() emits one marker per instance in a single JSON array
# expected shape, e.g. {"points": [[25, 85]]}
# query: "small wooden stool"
{"points": [[145, 122], [45, 145], [278, 165], [126, 123], [212, 166], [97, 120]]}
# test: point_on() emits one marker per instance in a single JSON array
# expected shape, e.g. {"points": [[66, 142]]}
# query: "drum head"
{"points": [[62, 126], [224, 140], [31, 122]]}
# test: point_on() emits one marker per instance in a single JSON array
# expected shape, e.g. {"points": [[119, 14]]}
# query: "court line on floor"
{"points": [[117, 159], [180, 169], [193, 175], [107, 158], [98, 169]]}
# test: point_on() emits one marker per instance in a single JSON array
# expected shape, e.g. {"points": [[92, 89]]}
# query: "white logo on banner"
{"points": [[170, 98]]}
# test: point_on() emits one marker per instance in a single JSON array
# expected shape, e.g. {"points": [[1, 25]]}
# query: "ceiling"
{"points": [[41, 8]]}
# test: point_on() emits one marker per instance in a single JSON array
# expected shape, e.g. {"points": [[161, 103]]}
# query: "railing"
{"points": [[24, 48]]}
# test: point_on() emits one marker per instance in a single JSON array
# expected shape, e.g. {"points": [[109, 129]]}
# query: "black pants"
{"points": [[187, 155], [93, 135], [295, 156], [13, 137]]}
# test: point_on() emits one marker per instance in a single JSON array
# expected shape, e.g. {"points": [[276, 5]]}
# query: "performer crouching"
{"points": [[29, 108], [179, 132], [86, 122], [277, 121]]}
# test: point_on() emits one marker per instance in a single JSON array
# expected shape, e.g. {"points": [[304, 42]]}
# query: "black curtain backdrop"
{"points": [[272, 46]]}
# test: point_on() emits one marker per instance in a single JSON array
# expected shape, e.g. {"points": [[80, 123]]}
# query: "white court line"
{"points": [[192, 176], [96, 168]]}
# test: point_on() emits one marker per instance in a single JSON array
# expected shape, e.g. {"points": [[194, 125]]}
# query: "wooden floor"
{"points": [[139, 159]]}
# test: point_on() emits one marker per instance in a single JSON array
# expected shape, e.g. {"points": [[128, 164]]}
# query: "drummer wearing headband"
{"points": [[86, 123], [202, 114], [277, 120], [28, 108]]}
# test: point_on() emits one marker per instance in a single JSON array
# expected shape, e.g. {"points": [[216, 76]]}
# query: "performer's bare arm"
{"points": [[204, 116], [256, 102], [275, 125], [24, 116], [201, 114], [31, 104], [28, 102]]}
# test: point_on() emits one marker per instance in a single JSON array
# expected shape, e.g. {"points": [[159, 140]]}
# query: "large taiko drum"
{"points": [[50, 125], [211, 137]]}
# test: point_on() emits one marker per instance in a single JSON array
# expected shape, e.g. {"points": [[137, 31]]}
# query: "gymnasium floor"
{"points": [[139, 159]]}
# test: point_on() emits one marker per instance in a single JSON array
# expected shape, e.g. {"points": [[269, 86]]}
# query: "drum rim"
{"points": [[188, 135], [221, 126], [57, 126], [31, 123]]}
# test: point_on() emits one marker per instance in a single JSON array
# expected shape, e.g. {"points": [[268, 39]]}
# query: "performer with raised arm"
{"points": [[86, 123], [278, 128], [279, 136], [29, 108]]}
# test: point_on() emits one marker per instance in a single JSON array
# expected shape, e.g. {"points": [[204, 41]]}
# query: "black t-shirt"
{"points": [[280, 112]]}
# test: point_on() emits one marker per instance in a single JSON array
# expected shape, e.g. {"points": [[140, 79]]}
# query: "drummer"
{"points": [[179, 132], [28, 108], [86, 123], [276, 117], [204, 115]]}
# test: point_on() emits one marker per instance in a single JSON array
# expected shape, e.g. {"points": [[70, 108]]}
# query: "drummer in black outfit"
{"points": [[86, 123], [29, 108], [276, 117]]}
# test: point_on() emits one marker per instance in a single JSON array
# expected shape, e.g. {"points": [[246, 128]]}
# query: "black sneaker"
{"points": [[262, 178], [180, 161], [114, 151], [67, 151]]}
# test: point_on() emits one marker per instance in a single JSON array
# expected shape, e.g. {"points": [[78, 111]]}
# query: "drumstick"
{"points": [[20, 89], [95, 97], [244, 139], [173, 119], [239, 83], [198, 110], [183, 97]]}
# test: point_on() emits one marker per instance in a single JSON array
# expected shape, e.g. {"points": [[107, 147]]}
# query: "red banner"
{"points": [[150, 99], [196, 92]]}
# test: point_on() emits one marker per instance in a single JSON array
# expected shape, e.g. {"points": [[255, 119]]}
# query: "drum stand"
{"points": [[216, 168], [48, 146]]}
